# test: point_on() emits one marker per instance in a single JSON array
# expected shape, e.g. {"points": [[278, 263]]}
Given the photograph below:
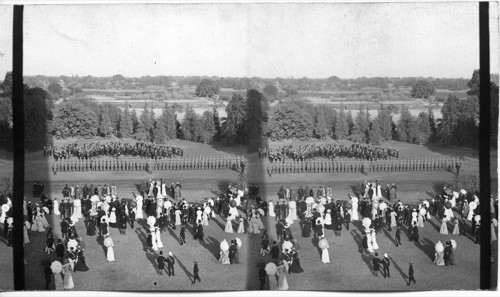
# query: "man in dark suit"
{"points": [[182, 236], [376, 264], [398, 235], [232, 251], [447, 254], [161, 263], [414, 234], [279, 230], [196, 271], [60, 249], [64, 228], [170, 264], [385, 266], [275, 252], [411, 277]]}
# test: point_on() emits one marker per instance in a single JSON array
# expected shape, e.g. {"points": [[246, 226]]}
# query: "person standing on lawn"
{"points": [[170, 264], [196, 271], [161, 263], [385, 266], [411, 276], [376, 264]]}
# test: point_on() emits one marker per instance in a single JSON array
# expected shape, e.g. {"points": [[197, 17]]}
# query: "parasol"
{"points": [[224, 246], [455, 194], [453, 244], [239, 242], [56, 267], [5, 208], [132, 203], [323, 243], [422, 211], [310, 200], [232, 203], [382, 206], [271, 268], [463, 192], [477, 219], [207, 210], [472, 205], [211, 201], [72, 243], [108, 242], [448, 191], [348, 205], [447, 204], [439, 247], [46, 209], [167, 204], [10, 221], [151, 220], [261, 211], [426, 203], [366, 222], [287, 245], [94, 198]]}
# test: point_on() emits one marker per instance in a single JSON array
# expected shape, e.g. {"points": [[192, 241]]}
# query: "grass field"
{"points": [[348, 270]]}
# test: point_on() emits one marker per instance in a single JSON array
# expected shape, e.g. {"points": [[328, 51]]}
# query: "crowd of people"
{"points": [[129, 163], [312, 151], [345, 165], [89, 150]]}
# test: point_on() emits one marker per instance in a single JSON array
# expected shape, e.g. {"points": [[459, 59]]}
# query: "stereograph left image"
{"points": [[230, 147]]}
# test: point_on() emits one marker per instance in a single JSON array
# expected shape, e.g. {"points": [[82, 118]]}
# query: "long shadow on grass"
{"points": [[431, 222], [403, 275], [359, 242], [221, 226], [186, 271], [212, 245], [426, 246], [144, 239], [388, 235], [172, 233]]}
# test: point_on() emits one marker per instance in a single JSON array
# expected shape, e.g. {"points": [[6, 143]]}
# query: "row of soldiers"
{"points": [[232, 162], [327, 150], [114, 149], [331, 166]]}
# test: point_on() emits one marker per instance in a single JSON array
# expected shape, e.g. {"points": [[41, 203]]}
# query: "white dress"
{"points": [[379, 192], [110, 254], [68, 283], [77, 204], [270, 210], [138, 210], [328, 219], [56, 207], [292, 211], [325, 257], [199, 214], [354, 209], [159, 244], [369, 242], [374, 240], [229, 226], [233, 212], [282, 280], [25, 232], [241, 227], [112, 217], [153, 239], [163, 190], [178, 217]]}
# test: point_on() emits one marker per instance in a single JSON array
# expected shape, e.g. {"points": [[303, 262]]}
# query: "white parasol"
{"points": [[211, 201], [453, 244], [108, 242], [5, 208], [463, 192], [323, 243], [94, 198], [422, 211], [382, 206], [271, 268], [10, 220], [477, 219], [261, 211], [472, 205], [287, 245], [151, 220], [167, 204], [46, 209], [455, 194], [426, 203], [239, 242], [366, 222], [56, 267], [310, 200]]}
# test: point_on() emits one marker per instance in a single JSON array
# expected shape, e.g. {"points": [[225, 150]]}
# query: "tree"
{"points": [[320, 128], [37, 118], [207, 88], [6, 85], [350, 123], [160, 130], [422, 89], [126, 126], [405, 127], [384, 119], [142, 132], [432, 125], [290, 121], [360, 128], [423, 128], [170, 121], [341, 124], [134, 120], [55, 88], [375, 135], [189, 124], [459, 124], [270, 90], [105, 127], [257, 119], [206, 127], [74, 119], [217, 124], [234, 128], [473, 84]]}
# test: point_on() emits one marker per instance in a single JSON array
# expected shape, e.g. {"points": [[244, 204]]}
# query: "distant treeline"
{"points": [[333, 83]]}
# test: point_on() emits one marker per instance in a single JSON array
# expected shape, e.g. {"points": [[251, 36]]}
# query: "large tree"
{"points": [[55, 88], [384, 119], [422, 89], [270, 90], [234, 128], [320, 128], [6, 85], [206, 128], [189, 124], [289, 121], [423, 128], [143, 130], [75, 119], [341, 124], [459, 124], [375, 134], [257, 119], [126, 125], [406, 126], [207, 88]]}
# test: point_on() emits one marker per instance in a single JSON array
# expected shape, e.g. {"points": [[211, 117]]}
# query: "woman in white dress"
{"points": [[112, 216], [270, 209], [292, 211], [420, 219], [325, 256], [110, 253], [138, 210], [444, 227], [229, 226], [199, 215], [68, 283], [394, 221], [178, 217], [56, 207], [233, 213], [77, 206], [414, 217], [354, 209], [328, 219], [163, 189], [26, 226], [159, 244], [154, 239], [207, 210], [282, 280], [369, 241], [373, 236], [241, 226], [379, 191]]}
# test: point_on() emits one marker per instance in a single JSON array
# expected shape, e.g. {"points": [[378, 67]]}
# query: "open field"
{"points": [[134, 269]]}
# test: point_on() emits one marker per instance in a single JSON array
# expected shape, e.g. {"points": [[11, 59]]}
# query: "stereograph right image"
{"points": [[233, 146]]}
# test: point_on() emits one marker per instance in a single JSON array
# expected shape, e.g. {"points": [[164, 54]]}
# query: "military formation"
{"points": [[112, 149], [127, 163], [329, 151], [452, 164]]}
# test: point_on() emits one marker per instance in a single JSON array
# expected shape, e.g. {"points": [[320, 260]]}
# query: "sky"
{"points": [[245, 40]]}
